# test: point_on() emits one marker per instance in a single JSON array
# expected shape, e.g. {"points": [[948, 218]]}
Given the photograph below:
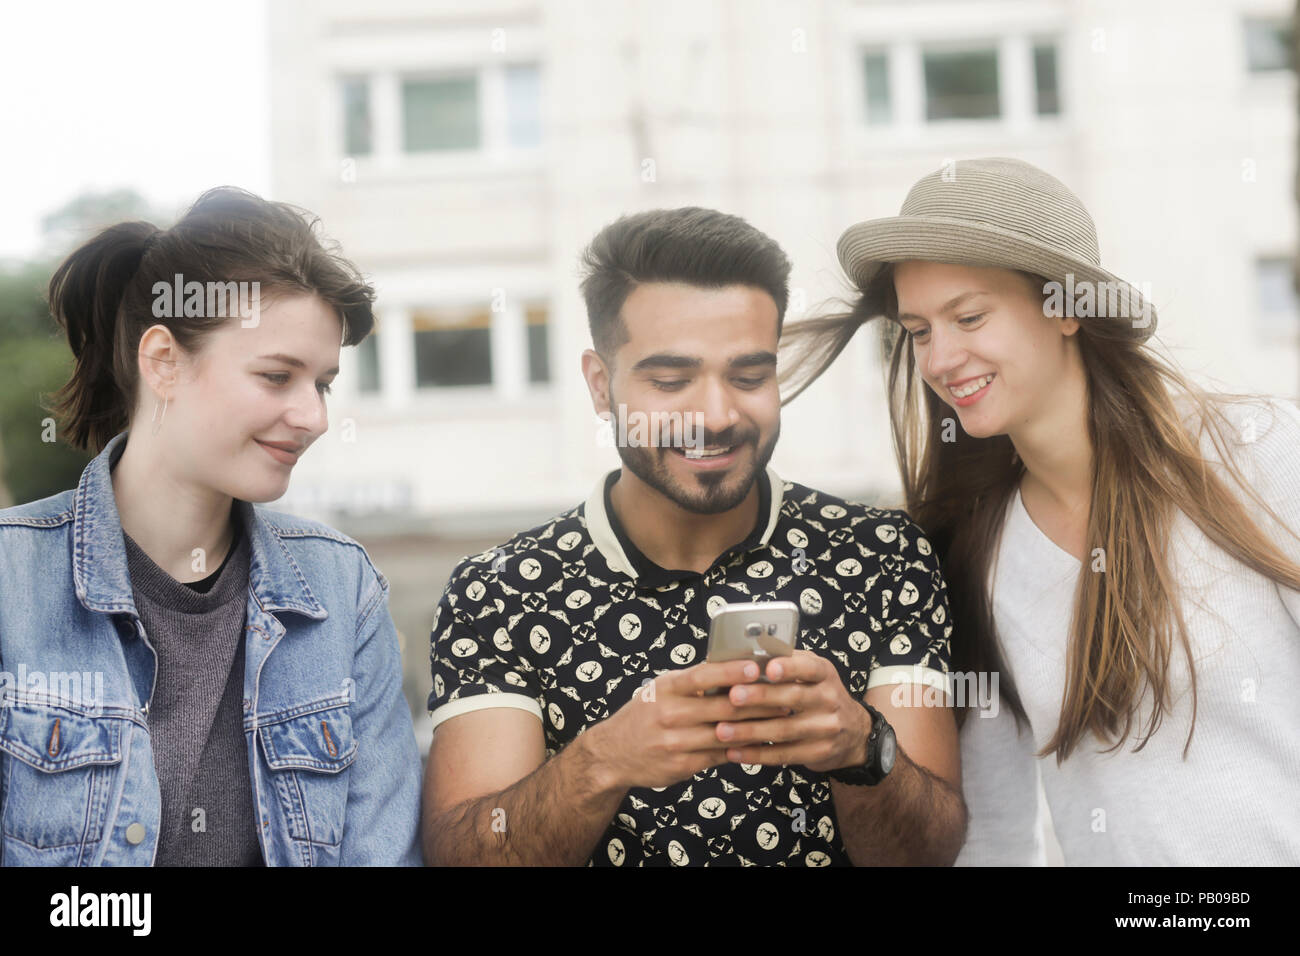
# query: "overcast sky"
{"points": [[168, 98]]}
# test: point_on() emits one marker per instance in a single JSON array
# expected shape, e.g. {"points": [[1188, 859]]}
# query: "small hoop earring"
{"points": [[158, 419]]}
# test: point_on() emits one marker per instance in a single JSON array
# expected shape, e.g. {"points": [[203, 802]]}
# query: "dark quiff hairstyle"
{"points": [[691, 245], [102, 295]]}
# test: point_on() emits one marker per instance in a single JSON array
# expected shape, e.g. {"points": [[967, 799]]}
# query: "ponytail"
{"points": [[86, 295]]}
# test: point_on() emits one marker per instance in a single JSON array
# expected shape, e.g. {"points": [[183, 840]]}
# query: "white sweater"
{"points": [[1235, 800]]}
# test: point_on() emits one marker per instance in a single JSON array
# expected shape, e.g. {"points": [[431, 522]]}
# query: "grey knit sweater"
{"points": [[196, 715]]}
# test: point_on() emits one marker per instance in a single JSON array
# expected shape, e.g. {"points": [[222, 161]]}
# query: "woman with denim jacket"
{"points": [[188, 679]]}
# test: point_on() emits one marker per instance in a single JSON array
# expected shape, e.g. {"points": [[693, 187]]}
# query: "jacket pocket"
{"points": [[307, 755], [58, 769]]}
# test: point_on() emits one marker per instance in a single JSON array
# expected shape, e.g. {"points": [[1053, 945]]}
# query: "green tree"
{"points": [[34, 358], [34, 363]]}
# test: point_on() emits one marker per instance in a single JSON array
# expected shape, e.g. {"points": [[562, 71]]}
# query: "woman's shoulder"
{"points": [[293, 526], [1257, 438], [45, 513], [36, 553], [318, 545], [1261, 432]]}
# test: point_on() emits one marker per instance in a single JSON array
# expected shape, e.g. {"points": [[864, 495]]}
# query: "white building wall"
{"points": [[1182, 156]]}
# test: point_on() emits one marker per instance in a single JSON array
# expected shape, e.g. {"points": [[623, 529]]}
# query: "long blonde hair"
{"points": [[1147, 466]]}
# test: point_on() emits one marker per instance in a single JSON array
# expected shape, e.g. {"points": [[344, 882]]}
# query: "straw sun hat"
{"points": [[1006, 213]]}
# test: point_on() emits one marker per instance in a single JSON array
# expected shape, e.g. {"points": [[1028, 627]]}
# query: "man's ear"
{"points": [[597, 375]]}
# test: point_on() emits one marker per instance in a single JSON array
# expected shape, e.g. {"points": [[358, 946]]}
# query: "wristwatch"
{"points": [[882, 748]]}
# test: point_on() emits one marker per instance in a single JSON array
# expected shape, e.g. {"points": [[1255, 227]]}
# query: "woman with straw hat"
{"points": [[1120, 547]]}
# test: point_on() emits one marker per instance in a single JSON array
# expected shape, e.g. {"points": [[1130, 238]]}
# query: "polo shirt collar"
{"points": [[622, 555]]}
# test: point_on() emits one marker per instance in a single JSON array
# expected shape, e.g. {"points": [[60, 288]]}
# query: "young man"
{"points": [[572, 723]]}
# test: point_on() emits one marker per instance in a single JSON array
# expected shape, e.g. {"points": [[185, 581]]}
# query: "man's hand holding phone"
{"points": [[826, 727], [667, 732]]}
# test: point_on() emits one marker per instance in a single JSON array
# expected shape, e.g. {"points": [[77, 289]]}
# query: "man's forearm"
{"points": [[910, 818], [552, 817]]}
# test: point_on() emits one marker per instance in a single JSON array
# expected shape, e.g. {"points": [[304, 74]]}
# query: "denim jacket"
{"points": [[331, 748]]}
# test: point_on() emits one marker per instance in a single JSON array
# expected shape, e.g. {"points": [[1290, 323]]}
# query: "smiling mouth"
{"points": [[970, 388], [719, 458], [280, 454], [717, 451]]}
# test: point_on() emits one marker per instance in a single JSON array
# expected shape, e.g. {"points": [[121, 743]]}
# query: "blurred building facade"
{"points": [[464, 151]]}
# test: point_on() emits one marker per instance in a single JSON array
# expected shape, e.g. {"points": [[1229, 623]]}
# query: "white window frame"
{"points": [[388, 159], [510, 387], [428, 44], [904, 32]]}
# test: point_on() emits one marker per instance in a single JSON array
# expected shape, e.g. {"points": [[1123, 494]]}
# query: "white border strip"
{"points": [[910, 674], [466, 705], [777, 488], [602, 532]]}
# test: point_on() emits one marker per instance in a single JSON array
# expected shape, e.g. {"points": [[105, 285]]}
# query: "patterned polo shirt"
{"points": [[568, 620]]}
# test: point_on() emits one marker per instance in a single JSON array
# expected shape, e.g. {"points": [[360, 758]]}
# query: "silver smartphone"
{"points": [[756, 632]]}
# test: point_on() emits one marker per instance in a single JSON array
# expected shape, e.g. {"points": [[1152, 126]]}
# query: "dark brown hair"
{"points": [[102, 294], [1147, 465], [695, 246]]}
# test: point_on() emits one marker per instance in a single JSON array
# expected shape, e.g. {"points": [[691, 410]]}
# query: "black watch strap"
{"points": [[873, 771]]}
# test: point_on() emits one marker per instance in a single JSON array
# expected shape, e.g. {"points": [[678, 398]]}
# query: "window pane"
{"points": [[452, 347], [539, 358], [368, 364], [961, 85], [876, 70], [440, 114], [445, 357], [523, 104], [356, 117], [1268, 45], [1275, 289], [1047, 98]]}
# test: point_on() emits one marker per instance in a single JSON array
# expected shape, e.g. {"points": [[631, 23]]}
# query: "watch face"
{"points": [[888, 751]]}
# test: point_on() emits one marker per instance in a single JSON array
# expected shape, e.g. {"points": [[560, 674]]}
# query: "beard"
{"points": [[707, 492]]}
